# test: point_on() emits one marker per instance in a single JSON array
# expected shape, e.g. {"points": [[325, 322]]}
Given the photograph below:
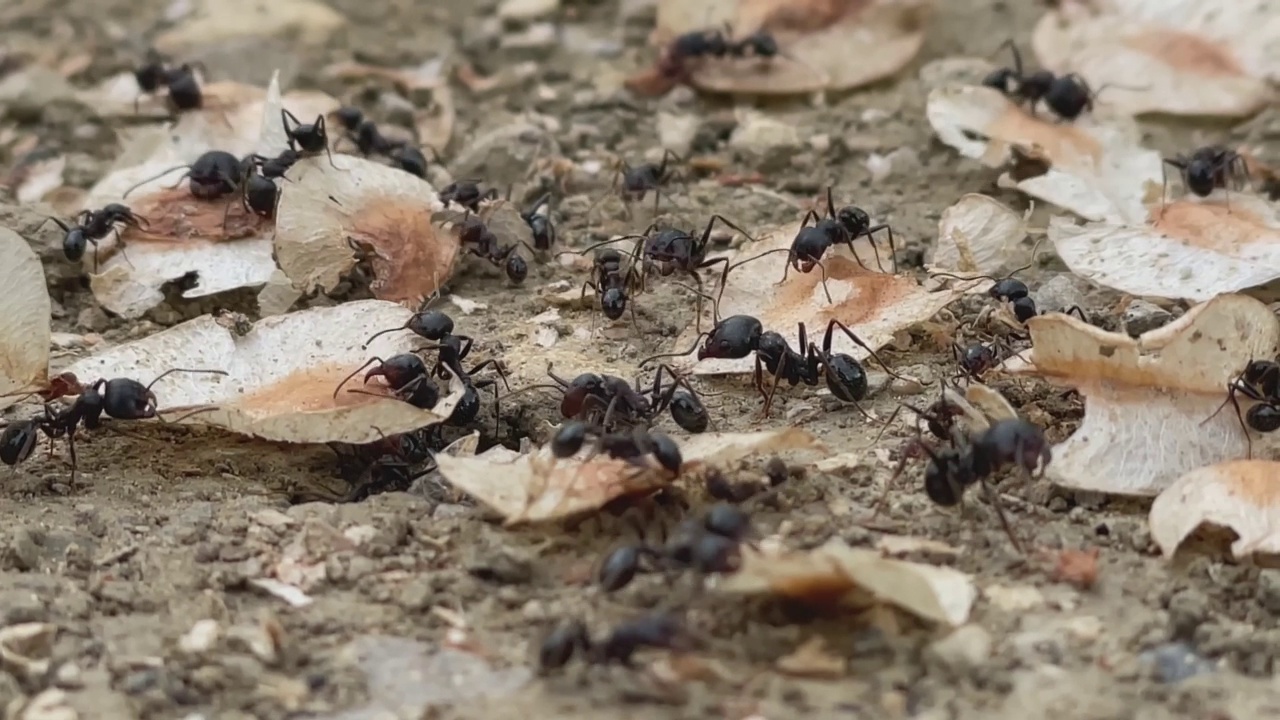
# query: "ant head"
{"points": [[349, 117], [853, 219], [517, 269], [666, 452], [1003, 80], [614, 303], [399, 370], [432, 325], [1201, 177], [732, 338]]}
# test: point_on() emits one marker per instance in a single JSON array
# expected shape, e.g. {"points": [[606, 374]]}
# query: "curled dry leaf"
{"points": [[536, 487], [218, 22], [874, 305], [979, 235], [825, 44], [1179, 57], [1149, 400], [1191, 249], [26, 649], [329, 217], [25, 331], [835, 573], [212, 245], [1097, 167], [280, 379], [1241, 496]]}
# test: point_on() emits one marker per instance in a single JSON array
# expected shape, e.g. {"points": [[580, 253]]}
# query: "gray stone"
{"points": [[1142, 316]]}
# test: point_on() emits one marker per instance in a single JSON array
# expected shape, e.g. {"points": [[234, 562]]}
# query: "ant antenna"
{"points": [[686, 353], [347, 379], [1034, 249], [183, 370], [153, 178]]}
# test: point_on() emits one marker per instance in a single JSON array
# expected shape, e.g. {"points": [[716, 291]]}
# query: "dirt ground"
{"points": [[167, 528]]}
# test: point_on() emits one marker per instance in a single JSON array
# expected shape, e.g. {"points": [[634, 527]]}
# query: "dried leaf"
{"points": [[1241, 496], [1191, 249], [874, 305], [25, 331], [979, 235], [381, 211], [1097, 166], [835, 572], [1148, 400], [281, 380], [825, 44], [1180, 57]]}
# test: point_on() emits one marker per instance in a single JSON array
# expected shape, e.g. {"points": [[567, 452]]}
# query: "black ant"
{"points": [[410, 159], [118, 398], [183, 90], [1011, 442], [634, 446], [383, 466], [1207, 169], [213, 175], [1068, 96], [467, 194], [349, 117], [738, 336], [94, 225], [841, 226], [1015, 292], [607, 400], [612, 283], [306, 139], [258, 194], [451, 350], [276, 167], [673, 250], [707, 545], [1259, 382], [480, 241], [699, 44], [642, 179], [657, 630]]}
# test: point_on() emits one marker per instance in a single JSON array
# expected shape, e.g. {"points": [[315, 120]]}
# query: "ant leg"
{"points": [[893, 248], [497, 367], [993, 497], [773, 388], [897, 472], [826, 344], [1232, 387]]}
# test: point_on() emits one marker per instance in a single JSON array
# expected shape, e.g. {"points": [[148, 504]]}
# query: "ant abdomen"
{"points": [[127, 399], [846, 378], [16, 442], [619, 568], [1263, 418], [688, 413], [940, 488]]}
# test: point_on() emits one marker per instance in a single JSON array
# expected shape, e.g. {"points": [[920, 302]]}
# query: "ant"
{"points": [[306, 139], [276, 167], [1016, 292], [656, 630], [384, 466], [841, 226], [118, 398], [483, 243], [604, 398], [1011, 442], [1205, 170], [708, 545], [1259, 382], [738, 336], [612, 284], [94, 225], [642, 179], [259, 194], [1068, 96], [410, 159], [467, 194], [451, 350], [673, 250], [213, 175], [183, 90], [634, 446], [698, 44]]}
